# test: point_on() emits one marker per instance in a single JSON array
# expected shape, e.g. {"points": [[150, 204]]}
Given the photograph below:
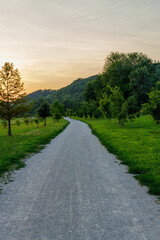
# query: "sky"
{"points": [[53, 42]]}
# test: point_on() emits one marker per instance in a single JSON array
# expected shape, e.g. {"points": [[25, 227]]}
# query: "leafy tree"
{"points": [[57, 114], [141, 81], [18, 122], [89, 93], [31, 120], [4, 123], [99, 87], [83, 110], [26, 121], [158, 85], [119, 69], [130, 108], [105, 106], [36, 104], [92, 109], [57, 110], [122, 117], [153, 105], [69, 112], [97, 113], [36, 121], [94, 90], [12, 94], [44, 111], [111, 105], [117, 100]]}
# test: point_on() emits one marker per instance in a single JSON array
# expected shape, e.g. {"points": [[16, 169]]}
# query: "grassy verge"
{"points": [[25, 140], [137, 147]]}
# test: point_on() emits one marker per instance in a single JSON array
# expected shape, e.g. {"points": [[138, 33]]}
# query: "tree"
{"points": [[94, 89], [153, 105], [92, 109], [57, 110], [36, 105], [89, 93], [141, 82], [36, 120], [44, 111], [69, 112], [4, 123], [130, 108], [105, 106], [26, 121], [117, 100], [18, 123], [83, 110], [118, 68], [12, 94]]}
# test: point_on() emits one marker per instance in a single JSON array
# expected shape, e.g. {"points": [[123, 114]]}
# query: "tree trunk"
{"points": [[9, 127], [44, 121]]}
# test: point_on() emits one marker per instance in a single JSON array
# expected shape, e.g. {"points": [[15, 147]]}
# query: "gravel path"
{"points": [[75, 190]]}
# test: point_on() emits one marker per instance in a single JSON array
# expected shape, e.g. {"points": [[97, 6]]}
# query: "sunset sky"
{"points": [[53, 42]]}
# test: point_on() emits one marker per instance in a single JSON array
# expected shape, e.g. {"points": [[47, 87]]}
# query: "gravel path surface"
{"points": [[75, 190]]}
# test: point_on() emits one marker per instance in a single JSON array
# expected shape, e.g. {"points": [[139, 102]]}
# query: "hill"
{"points": [[70, 96], [40, 93]]}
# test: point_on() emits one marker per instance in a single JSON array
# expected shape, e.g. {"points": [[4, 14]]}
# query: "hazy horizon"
{"points": [[53, 42]]}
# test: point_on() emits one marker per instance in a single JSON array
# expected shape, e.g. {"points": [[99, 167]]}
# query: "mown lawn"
{"points": [[24, 141], [137, 147]]}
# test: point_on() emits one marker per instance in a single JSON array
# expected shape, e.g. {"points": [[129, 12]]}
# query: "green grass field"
{"points": [[137, 147], [24, 141]]}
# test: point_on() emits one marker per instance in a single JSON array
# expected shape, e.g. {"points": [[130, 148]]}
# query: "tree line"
{"points": [[128, 86]]}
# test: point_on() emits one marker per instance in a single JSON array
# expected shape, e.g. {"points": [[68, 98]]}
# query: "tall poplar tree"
{"points": [[12, 94]]}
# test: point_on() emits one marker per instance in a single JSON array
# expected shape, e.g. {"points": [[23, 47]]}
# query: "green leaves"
{"points": [[12, 94], [57, 110], [153, 106], [134, 73], [44, 111]]}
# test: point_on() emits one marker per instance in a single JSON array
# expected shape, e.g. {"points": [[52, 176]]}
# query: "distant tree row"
{"points": [[128, 83]]}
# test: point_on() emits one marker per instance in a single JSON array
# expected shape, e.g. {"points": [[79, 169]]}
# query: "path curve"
{"points": [[75, 190]]}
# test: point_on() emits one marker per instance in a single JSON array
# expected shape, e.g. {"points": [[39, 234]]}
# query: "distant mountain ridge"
{"points": [[72, 91]]}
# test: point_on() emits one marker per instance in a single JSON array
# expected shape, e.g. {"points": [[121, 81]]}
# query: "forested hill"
{"points": [[70, 96], [43, 93]]}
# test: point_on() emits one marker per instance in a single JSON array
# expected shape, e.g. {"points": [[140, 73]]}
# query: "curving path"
{"points": [[75, 190]]}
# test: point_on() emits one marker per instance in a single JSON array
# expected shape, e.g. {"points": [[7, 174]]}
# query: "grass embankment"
{"points": [[24, 141], [137, 147]]}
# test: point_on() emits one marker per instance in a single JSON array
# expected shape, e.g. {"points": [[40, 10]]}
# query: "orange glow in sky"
{"points": [[53, 42]]}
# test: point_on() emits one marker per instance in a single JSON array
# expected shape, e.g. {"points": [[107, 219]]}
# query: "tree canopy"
{"points": [[44, 111], [153, 105], [130, 71], [12, 94], [123, 86], [57, 110]]}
